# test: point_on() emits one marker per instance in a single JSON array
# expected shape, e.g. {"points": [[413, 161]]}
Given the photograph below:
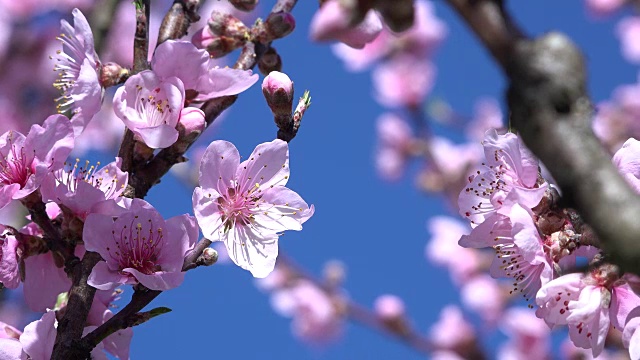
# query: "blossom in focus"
{"points": [[403, 81], [78, 70], [331, 22], [588, 304], [80, 188], [202, 78], [315, 317], [151, 107], [246, 205], [139, 246], [24, 161], [509, 175]]}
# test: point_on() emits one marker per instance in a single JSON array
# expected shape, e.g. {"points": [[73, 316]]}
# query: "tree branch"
{"points": [[552, 112]]}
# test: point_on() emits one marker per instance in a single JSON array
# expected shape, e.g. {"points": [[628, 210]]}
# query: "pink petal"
{"points": [[103, 278], [43, 282], [206, 211], [39, 336], [268, 166], [218, 166], [252, 251], [158, 137], [224, 82], [160, 280], [182, 60]]}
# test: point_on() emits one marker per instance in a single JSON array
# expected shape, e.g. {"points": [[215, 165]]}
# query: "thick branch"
{"points": [[75, 317], [551, 110]]}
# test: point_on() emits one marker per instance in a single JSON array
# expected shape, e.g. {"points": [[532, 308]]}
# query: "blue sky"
{"points": [[376, 228]]}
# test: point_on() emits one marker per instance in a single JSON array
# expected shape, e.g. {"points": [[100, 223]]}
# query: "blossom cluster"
{"points": [[537, 244], [78, 210]]}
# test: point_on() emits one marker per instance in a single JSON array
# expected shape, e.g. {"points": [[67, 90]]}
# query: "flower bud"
{"points": [[209, 257], [390, 309], [225, 24], [270, 61], [112, 74], [190, 126], [244, 5], [278, 91], [276, 26]]}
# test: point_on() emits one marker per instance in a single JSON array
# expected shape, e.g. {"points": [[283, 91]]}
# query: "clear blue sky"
{"points": [[376, 228]]}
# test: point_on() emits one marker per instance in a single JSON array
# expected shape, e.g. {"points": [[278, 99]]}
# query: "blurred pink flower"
{"points": [[315, 318], [452, 332], [331, 22], [389, 307], [403, 81], [484, 296], [487, 115], [139, 246], [628, 31], [603, 7], [246, 205], [529, 337], [443, 249], [9, 259], [394, 140]]}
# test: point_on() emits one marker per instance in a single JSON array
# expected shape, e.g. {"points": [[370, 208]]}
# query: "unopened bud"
{"points": [[277, 89], [112, 74], [390, 309], [270, 61], [244, 5], [276, 26], [209, 257], [190, 126], [224, 24]]}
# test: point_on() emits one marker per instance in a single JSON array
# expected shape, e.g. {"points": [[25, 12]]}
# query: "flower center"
{"points": [[236, 208], [15, 167], [72, 176], [153, 109], [136, 247]]}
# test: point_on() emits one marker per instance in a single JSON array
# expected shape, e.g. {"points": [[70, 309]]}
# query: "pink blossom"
{"points": [[420, 40], [617, 120], [509, 175], [78, 70], [80, 188], [150, 107], [529, 337], [627, 160], [403, 81], [484, 296], [24, 161], [389, 307], [588, 304], [199, 73], [246, 205], [394, 140], [487, 115], [628, 30], [604, 7], [452, 332], [331, 22], [39, 337], [139, 246], [315, 317], [520, 252], [443, 249]]}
